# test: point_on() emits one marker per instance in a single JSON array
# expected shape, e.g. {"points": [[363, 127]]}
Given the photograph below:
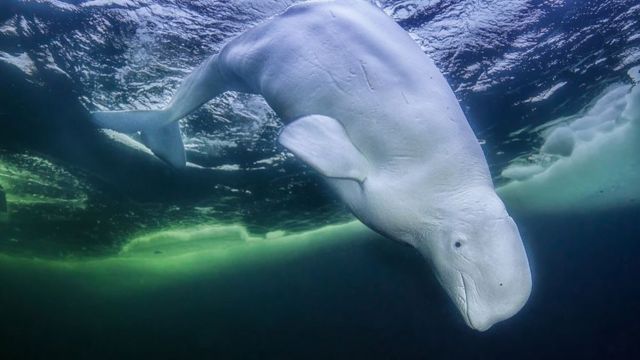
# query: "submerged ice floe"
{"points": [[171, 256], [589, 161], [27, 180], [3, 206]]}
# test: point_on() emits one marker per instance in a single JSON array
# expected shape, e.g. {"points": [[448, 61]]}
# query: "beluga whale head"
{"points": [[466, 235], [478, 257], [444, 205]]}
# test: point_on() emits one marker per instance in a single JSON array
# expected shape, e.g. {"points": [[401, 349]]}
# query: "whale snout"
{"points": [[489, 281], [482, 311], [497, 288], [483, 321]]}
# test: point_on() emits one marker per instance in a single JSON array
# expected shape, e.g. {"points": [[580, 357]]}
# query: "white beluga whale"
{"points": [[588, 162], [367, 109]]}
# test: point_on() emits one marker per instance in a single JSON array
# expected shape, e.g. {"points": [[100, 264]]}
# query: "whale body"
{"points": [[368, 110]]}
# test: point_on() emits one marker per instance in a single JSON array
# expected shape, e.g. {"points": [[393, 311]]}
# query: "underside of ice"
{"points": [[559, 142], [588, 161]]}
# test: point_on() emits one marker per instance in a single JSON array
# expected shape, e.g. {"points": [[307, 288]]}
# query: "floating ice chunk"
{"points": [[606, 126], [586, 134], [106, 3], [634, 74], [559, 142], [546, 94], [602, 171], [521, 171], [51, 64], [59, 4], [227, 167], [8, 29], [632, 111], [606, 108], [21, 61]]}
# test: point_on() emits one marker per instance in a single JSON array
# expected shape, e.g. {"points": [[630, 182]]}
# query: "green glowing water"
{"points": [[167, 257]]}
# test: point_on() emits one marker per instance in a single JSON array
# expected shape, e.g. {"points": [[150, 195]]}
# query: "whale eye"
{"points": [[457, 241]]}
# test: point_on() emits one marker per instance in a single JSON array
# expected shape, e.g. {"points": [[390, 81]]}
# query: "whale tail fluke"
{"points": [[160, 132], [159, 128], [166, 143], [131, 121], [632, 110]]}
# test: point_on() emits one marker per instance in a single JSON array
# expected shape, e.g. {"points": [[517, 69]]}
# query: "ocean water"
{"points": [[105, 252]]}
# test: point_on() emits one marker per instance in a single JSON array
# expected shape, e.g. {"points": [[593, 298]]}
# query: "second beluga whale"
{"points": [[367, 109]]}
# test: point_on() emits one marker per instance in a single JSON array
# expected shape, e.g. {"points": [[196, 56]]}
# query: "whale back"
{"points": [[399, 111]]}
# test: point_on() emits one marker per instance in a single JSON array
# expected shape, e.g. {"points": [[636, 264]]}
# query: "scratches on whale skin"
{"points": [[366, 75], [318, 65], [404, 96]]}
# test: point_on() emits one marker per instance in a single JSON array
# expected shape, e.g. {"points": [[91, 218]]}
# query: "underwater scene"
{"points": [[275, 179]]}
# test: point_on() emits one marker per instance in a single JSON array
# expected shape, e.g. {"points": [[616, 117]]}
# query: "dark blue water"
{"points": [[76, 198], [367, 297]]}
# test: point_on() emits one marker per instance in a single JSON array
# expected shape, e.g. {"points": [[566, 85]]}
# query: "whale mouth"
{"points": [[464, 301], [467, 284]]}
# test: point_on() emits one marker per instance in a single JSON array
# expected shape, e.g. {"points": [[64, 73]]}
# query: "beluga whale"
{"points": [[368, 110]]}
